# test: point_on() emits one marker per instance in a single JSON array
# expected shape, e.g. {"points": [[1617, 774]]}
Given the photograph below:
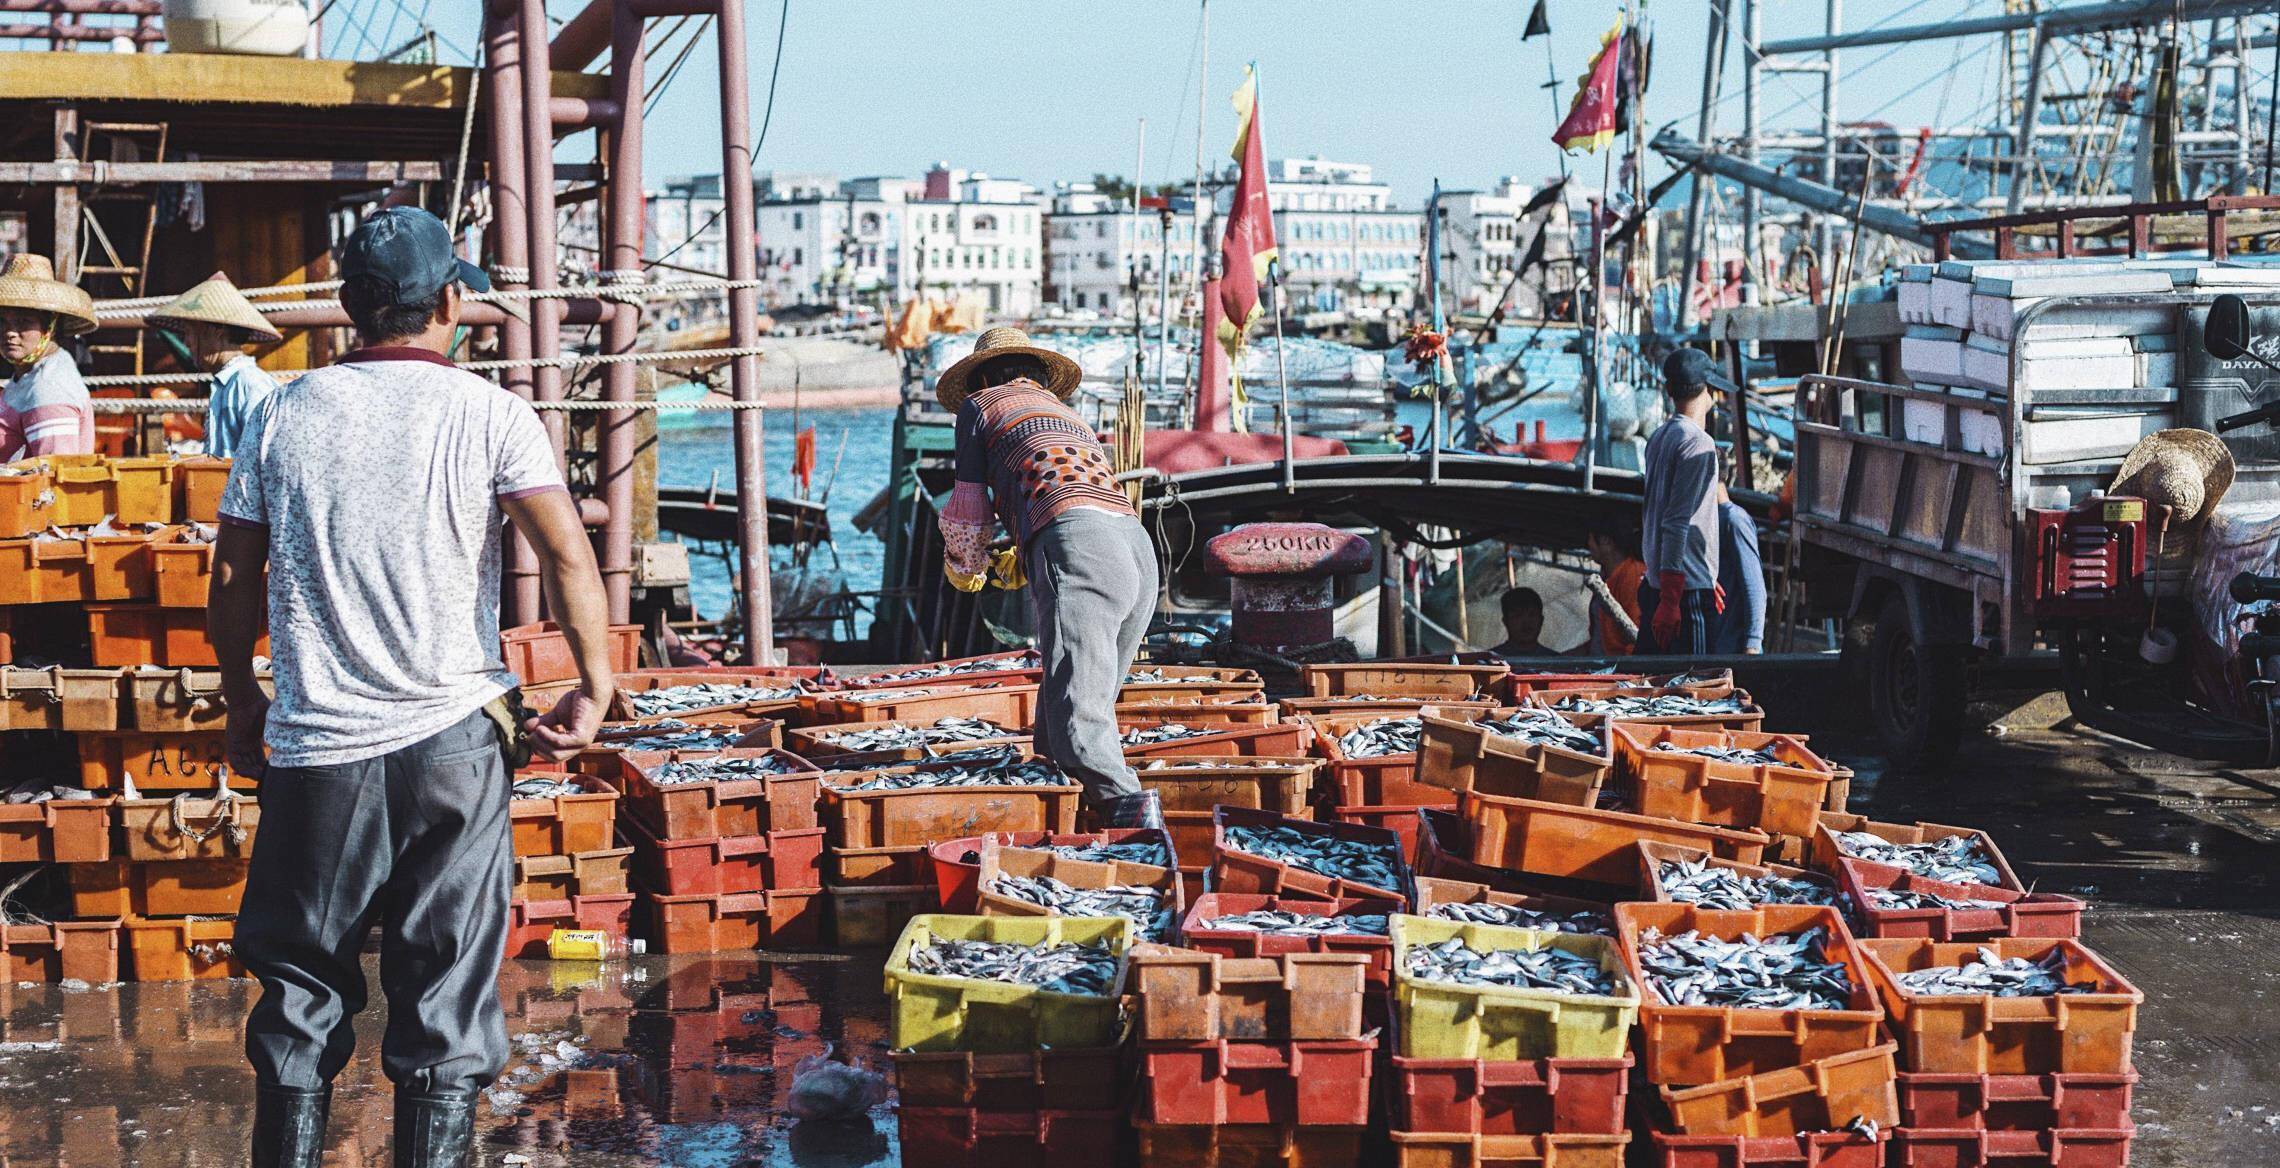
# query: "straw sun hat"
{"points": [[2187, 470], [29, 282], [1062, 374], [215, 301]]}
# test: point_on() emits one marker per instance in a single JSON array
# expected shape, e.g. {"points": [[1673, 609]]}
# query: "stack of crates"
{"points": [[729, 858], [569, 871], [992, 1074]]}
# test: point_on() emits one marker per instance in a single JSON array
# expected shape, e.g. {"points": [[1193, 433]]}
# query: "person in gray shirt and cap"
{"points": [[1679, 531]]}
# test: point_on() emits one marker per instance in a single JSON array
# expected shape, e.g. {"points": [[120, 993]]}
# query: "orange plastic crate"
{"points": [[597, 873], [55, 698], [177, 888], [181, 573], [1554, 839], [1244, 710], [198, 484], [916, 816], [86, 951], [1281, 740], [1458, 755], [1786, 798], [2075, 1034], [1750, 717], [1005, 703], [183, 950], [146, 634], [188, 827], [52, 571], [1652, 857], [1189, 996], [1826, 853], [540, 652], [192, 762], [876, 916], [560, 825], [27, 500], [1432, 890], [1190, 793], [1823, 1095], [720, 808], [1388, 780], [1426, 679], [59, 831]]}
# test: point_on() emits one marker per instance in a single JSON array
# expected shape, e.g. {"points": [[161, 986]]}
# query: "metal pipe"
{"points": [[586, 112], [1752, 78], [622, 222], [2030, 115], [2086, 18], [583, 37], [510, 264], [538, 204], [1835, 20], [744, 332], [1811, 195], [1713, 76]]}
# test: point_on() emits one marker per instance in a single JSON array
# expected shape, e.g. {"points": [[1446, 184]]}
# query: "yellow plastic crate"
{"points": [[933, 1013], [1441, 1020]]}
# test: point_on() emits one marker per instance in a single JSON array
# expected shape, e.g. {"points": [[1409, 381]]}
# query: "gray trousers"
{"points": [[1092, 590], [415, 841]]}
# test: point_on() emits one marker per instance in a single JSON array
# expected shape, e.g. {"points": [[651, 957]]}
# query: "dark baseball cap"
{"points": [[410, 250], [1687, 369]]}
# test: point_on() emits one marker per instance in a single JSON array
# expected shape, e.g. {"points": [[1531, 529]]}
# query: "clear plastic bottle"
{"points": [[591, 945]]}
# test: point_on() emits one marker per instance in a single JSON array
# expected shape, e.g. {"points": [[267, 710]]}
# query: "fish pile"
{"points": [[1955, 859], [1540, 728], [972, 768], [1026, 659], [721, 770], [2000, 977], [1557, 970], [1898, 898], [888, 695], [1284, 923], [1675, 681], [680, 699], [1166, 732], [547, 788], [1732, 754], [1383, 737], [1159, 677], [673, 734], [1146, 852], [1376, 865], [1776, 973], [1657, 706], [915, 737], [35, 791], [1516, 916], [1143, 906], [1699, 882], [1061, 969]]}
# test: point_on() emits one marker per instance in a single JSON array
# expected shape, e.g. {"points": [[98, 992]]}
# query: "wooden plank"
{"points": [[217, 171], [218, 79]]}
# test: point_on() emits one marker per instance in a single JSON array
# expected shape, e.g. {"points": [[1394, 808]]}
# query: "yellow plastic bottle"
{"points": [[591, 945]]}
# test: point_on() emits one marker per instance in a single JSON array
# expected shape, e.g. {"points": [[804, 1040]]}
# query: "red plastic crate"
{"points": [[1817, 1150], [1312, 1083], [2023, 914], [716, 808], [1050, 1080], [968, 1137], [2053, 1148], [531, 922], [1249, 1146], [1280, 740], [85, 951], [2015, 1102], [1237, 943], [539, 653], [1449, 1150], [727, 865], [1527, 1098]]}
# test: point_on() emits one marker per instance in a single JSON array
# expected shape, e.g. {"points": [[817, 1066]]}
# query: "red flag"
{"points": [[803, 458], [1249, 243], [1592, 121], [1212, 409]]}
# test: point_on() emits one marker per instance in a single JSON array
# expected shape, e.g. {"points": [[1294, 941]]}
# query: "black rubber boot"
{"points": [[1145, 809], [289, 1126], [434, 1130]]}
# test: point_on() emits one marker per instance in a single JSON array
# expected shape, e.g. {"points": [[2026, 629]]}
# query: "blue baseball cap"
{"points": [[409, 250], [1689, 369]]}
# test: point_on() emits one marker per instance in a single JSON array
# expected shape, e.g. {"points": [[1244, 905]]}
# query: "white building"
{"points": [[1343, 244], [1483, 240], [1094, 243]]}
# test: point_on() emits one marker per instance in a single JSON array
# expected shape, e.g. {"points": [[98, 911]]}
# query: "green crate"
{"points": [[990, 1017], [1439, 1020]]}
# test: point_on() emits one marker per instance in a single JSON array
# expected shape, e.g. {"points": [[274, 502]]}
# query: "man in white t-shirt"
{"points": [[374, 492]]}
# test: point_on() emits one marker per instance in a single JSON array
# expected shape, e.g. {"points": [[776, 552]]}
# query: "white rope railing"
{"points": [[614, 290], [135, 380], [144, 405]]}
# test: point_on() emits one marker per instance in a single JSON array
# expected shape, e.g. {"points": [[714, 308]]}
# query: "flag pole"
{"points": [[1433, 281], [1282, 371]]}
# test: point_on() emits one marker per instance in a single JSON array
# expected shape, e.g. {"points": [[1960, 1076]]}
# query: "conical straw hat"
{"points": [[2188, 470], [1063, 374], [29, 282], [216, 301]]}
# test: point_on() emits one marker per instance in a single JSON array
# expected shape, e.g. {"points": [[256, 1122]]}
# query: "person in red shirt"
{"points": [[1616, 551]]}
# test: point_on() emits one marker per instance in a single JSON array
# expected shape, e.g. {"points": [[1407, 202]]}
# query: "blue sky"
{"points": [[1053, 90]]}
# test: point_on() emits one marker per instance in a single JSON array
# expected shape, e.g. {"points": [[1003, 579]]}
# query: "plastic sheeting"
{"points": [[2238, 538]]}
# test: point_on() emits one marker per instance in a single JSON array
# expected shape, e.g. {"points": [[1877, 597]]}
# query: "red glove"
{"points": [[1667, 602]]}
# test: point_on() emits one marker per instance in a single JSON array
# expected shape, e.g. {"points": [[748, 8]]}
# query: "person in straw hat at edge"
{"points": [[1024, 459], [215, 323], [44, 409]]}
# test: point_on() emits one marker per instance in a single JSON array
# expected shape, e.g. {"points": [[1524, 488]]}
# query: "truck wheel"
{"points": [[1915, 691]]}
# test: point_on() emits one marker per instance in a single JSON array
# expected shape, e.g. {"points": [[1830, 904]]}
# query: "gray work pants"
{"points": [[415, 841], [1092, 589]]}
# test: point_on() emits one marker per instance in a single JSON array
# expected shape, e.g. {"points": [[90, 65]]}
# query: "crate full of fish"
{"points": [[971, 1137], [1033, 882], [1400, 820], [2050, 1148], [1373, 759], [1525, 753], [1931, 1100], [1845, 1090], [559, 814], [1192, 995], [1507, 1097], [1702, 683], [44, 824], [1247, 925], [83, 951], [1127, 855], [1263, 1145], [999, 789], [1007, 703], [1466, 991], [874, 915], [1847, 1148], [1592, 709], [991, 984], [1480, 904], [1322, 1082], [700, 697], [1022, 665], [734, 792], [1054, 1079], [605, 759], [1276, 855], [735, 921], [844, 745], [1447, 1150], [1453, 680], [1954, 855], [1727, 994], [1190, 683], [1148, 736], [1380, 705], [1191, 788], [1586, 843], [1890, 903], [727, 864], [2018, 1006], [1676, 875], [1733, 778]]}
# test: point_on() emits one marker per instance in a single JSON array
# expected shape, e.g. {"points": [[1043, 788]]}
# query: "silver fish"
{"points": [[1544, 729], [1955, 859], [1643, 706], [1775, 973], [1552, 969], [1145, 907], [1067, 969], [35, 791], [668, 734], [1166, 732], [1281, 922], [546, 788], [1383, 737], [973, 768], [1130, 852], [915, 737], [1699, 882], [1376, 865], [1026, 659], [1159, 677], [1679, 681], [1733, 754], [721, 770], [885, 695], [676, 699], [1896, 898], [2001, 977], [1514, 916]]}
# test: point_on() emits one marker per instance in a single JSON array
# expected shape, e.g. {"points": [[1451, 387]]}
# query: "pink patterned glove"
{"points": [[967, 523]]}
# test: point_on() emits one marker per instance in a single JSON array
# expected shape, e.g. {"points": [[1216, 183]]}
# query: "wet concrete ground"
{"points": [[689, 1061]]}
